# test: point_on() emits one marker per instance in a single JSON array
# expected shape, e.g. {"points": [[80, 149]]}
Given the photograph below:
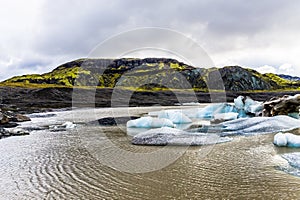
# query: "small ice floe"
{"points": [[17, 131], [177, 117], [69, 125], [259, 125], [63, 127], [287, 140], [226, 116], [41, 115], [172, 136], [293, 166], [149, 122]]}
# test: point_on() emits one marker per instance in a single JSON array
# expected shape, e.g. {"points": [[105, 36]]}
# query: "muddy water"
{"points": [[62, 165]]}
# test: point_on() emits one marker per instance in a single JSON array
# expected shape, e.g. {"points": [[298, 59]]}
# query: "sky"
{"points": [[38, 35]]}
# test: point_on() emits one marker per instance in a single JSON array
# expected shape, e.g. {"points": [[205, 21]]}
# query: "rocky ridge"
{"points": [[153, 73]]}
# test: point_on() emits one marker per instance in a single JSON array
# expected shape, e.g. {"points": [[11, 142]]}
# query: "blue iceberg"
{"points": [[177, 117], [209, 111], [149, 122], [259, 125]]}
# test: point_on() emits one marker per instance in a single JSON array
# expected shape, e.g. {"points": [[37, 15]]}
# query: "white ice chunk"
{"points": [[150, 122], [280, 140], [252, 106], [68, 125], [226, 116], [191, 113], [239, 102], [177, 117], [247, 105], [287, 139], [210, 110], [62, 127]]}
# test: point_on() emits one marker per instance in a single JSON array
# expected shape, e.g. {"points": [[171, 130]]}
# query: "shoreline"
{"points": [[30, 100]]}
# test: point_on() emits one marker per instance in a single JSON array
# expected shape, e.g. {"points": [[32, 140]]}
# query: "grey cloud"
{"points": [[65, 30]]}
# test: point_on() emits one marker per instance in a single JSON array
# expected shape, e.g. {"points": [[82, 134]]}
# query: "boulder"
{"points": [[8, 119], [5, 119], [20, 118], [286, 105], [112, 121], [4, 132]]}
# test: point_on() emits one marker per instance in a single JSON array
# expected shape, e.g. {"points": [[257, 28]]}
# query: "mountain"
{"points": [[288, 77], [151, 74]]}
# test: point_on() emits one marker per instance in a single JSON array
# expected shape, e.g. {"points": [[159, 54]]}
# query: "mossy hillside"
{"points": [[152, 73], [106, 73]]}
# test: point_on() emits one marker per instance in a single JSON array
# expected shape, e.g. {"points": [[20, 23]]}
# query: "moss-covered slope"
{"points": [[151, 73]]}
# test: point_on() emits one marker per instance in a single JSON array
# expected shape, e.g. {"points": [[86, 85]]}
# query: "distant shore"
{"points": [[28, 100]]}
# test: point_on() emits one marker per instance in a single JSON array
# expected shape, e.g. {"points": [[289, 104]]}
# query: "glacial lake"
{"points": [[69, 164]]}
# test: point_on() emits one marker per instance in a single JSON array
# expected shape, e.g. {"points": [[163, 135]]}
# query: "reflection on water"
{"points": [[55, 165]]}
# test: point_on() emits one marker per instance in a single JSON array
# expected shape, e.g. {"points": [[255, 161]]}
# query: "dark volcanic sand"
{"points": [[30, 100]]}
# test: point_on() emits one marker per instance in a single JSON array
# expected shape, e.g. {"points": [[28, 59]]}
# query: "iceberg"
{"points": [[177, 117], [172, 136], [287, 140], [226, 116], [209, 111], [259, 125], [252, 106], [149, 122], [239, 102], [248, 105]]}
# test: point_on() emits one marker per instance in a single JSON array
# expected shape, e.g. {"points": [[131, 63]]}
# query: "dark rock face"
{"points": [[8, 119], [236, 78]]}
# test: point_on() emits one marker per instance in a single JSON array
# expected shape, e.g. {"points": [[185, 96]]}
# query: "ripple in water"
{"points": [[47, 165]]}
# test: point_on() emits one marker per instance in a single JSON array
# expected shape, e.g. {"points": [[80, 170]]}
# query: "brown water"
{"points": [[57, 165]]}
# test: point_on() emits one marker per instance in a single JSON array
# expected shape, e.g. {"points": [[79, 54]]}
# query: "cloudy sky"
{"points": [[37, 35]]}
